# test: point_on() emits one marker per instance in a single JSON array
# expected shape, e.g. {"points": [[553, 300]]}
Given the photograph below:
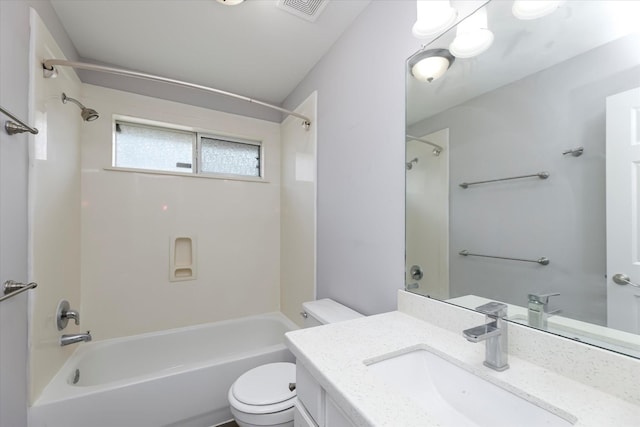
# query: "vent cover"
{"points": [[305, 9]]}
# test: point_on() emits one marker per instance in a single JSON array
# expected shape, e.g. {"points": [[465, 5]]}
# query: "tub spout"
{"points": [[67, 339]]}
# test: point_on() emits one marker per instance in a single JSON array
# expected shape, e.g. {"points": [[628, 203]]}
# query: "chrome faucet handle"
{"points": [[64, 313], [72, 314], [493, 309], [542, 298]]}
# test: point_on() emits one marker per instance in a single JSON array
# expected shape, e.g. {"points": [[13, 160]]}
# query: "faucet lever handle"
{"points": [[493, 308], [542, 298]]}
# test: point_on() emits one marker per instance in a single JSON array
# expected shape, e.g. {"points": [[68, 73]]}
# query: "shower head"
{"points": [[88, 114]]}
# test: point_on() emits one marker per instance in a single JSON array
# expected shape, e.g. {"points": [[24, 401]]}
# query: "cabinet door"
{"points": [[300, 416], [334, 417], [310, 394]]}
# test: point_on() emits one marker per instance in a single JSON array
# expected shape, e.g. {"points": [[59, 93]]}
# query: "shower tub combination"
{"points": [[175, 378]]}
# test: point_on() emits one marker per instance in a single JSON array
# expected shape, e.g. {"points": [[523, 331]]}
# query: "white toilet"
{"points": [[262, 396]]}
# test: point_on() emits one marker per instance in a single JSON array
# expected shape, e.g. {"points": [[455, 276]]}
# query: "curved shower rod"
{"points": [[49, 72], [433, 144]]}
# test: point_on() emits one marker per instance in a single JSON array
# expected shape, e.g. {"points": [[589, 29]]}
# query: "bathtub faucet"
{"points": [[67, 339]]}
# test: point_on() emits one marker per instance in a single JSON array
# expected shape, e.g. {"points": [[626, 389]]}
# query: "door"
{"points": [[623, 210]]}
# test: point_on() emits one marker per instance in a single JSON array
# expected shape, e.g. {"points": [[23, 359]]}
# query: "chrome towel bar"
{"points": [[13, 288], [541, 175], [541, 260], [12, 127]]}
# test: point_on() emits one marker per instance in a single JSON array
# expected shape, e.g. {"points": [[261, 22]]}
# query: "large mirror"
{"points": [[521, 168]]}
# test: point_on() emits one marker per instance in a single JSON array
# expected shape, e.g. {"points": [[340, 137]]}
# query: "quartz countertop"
{"points": [[335, 354]]}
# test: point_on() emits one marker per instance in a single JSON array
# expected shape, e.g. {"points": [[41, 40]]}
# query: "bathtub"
{"points": [[175, 378]]}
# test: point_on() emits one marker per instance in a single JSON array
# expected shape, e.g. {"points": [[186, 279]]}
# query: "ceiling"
{"points": [[254, 49], [521, 48]]}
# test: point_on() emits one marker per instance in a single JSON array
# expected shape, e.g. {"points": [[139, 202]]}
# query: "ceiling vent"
{"points": [[305, 9]]}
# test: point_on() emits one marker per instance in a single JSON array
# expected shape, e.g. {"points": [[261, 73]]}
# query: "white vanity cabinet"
{"points": [[315, 408]]}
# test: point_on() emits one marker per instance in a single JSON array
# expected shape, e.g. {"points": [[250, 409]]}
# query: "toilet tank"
{"points": [[323, 311]]}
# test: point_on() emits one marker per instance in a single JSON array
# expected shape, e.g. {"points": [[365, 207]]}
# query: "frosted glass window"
{"points": [[229, 157], [149, 147], [156, 148]]}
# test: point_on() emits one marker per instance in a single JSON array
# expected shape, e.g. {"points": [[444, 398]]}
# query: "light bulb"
{"points": [[433, 17], [527, 9], [472, 36]]}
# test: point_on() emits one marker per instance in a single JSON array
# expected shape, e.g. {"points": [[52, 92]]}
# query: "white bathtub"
{"points": [[163, 379]]}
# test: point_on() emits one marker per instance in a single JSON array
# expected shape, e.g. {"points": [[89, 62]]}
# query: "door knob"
{"points": [[623, 279]]}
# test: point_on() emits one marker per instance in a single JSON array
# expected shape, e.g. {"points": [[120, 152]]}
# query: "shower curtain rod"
{"points": [[425, 141], [49, 71]]}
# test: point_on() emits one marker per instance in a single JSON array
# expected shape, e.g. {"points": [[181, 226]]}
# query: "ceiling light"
{"points": [[230, 2], [472, 36], [527, 9], [433, 17], [429, 65]]}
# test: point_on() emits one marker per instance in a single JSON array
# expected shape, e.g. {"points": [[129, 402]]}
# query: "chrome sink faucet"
{"points": [[67, 339], [494, 332], [538, 310]]}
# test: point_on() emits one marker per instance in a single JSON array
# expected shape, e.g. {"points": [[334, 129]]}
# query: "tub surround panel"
{"points": [[128, 220], [610, 372], [54, 208], [370, 402], [298, 211]]}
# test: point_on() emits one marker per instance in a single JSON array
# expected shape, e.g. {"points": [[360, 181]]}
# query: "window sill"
{"points": [[190, 175]]}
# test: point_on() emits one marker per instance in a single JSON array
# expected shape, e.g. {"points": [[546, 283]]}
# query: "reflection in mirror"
{"points": [[532, 199]]}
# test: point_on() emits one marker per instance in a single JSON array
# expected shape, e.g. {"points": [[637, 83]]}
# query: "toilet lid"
{"points": [[266, 384]]}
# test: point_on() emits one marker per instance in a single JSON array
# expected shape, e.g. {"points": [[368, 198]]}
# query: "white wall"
{"points": [[298, 211], [128, 218], [14, 77], [360, 83]]}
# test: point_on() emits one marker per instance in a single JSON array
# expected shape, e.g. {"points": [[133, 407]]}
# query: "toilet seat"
{"points": [[265, 389]]}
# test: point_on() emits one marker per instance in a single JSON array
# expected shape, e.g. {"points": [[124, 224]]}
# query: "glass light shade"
{"points": [[527, 9], [430, 68], [472, 36], [433, 17]]}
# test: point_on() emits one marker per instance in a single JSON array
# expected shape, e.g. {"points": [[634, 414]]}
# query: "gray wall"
{"points": [[523, 128], [360, 85], [14, 96]]}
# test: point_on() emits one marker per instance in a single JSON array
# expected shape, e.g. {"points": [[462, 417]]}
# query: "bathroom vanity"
{"points": [[351, 374], [315, 407]]}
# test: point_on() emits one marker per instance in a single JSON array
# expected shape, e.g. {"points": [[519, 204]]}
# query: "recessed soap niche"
{"points": [[183, 258]]}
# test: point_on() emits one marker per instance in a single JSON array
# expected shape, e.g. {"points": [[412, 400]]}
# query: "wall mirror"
{"points": [[522, 168]]}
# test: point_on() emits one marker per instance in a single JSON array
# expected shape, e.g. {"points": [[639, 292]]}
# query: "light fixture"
{"points": [[472, 36], [527, 9], [433, 17], [428, 65], [230, 2]]}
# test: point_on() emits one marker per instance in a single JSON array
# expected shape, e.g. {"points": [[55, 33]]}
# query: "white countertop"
{"points": [[335, 355]]}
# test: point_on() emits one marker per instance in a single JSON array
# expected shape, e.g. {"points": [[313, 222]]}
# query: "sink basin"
{"points": [[458, 398]]}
